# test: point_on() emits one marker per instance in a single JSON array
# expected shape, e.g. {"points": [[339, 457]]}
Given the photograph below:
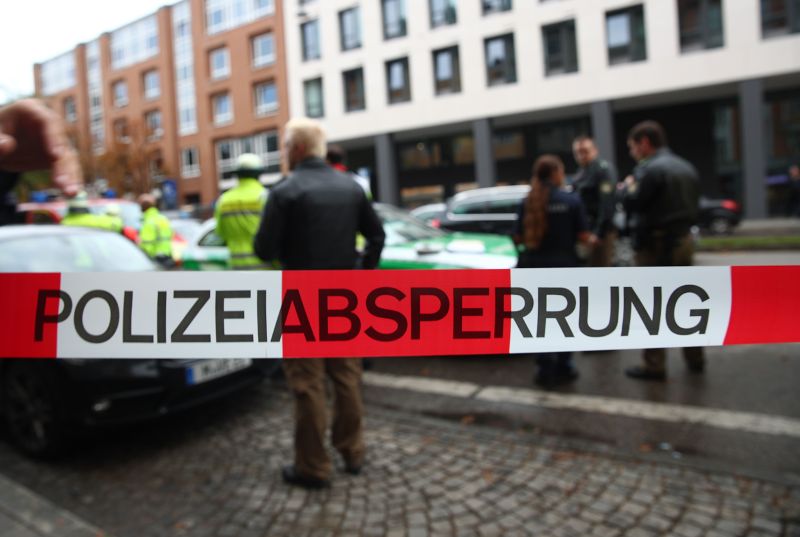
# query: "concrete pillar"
{"points": [[603, 131], [388, 187], [485, 169], [754, 158]]}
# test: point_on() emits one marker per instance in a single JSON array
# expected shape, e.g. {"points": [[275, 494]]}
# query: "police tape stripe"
{"points": [[301, 314]]}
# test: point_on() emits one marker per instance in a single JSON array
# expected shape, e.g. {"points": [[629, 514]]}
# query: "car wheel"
{"points": [[719, 225], [31, 408]]}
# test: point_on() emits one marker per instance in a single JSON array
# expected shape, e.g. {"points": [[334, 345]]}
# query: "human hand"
{"points": [[32, 137]]}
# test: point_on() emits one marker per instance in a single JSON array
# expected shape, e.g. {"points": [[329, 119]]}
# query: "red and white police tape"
{"points": [[300, 314]]}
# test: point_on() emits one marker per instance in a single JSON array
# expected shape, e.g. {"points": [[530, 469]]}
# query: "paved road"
{"points": [[214, 472]]}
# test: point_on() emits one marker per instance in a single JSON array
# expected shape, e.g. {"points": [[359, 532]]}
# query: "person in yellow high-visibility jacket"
{"points": [[155, 237], [238, 213], [79, 215]]}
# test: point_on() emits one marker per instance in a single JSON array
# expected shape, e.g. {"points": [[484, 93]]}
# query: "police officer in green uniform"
{"points": [[238, 214], [596, 185], [663, 194], [155, 237], [78, 214]]}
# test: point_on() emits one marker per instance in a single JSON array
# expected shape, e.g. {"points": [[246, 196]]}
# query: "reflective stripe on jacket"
{"points": [[238, 213], [155, 237], [98, 221]]}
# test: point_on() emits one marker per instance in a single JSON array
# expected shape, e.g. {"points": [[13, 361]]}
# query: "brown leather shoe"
{"points": [[291, 477], [353, 469]]}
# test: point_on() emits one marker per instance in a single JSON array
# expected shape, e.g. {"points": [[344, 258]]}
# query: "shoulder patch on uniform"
{"points": [[606, 188]]}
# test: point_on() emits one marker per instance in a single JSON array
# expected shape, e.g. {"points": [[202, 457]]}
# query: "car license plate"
{"points": [[206, 370]]}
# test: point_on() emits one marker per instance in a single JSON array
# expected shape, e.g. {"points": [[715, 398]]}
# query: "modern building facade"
{"points": [[179, 94], [433, 96]]}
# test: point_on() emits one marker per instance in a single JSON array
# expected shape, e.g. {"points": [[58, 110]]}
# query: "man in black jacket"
{"points": [[663, 196], [310, 222]]}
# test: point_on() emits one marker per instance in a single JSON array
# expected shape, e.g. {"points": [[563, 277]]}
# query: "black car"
{"points": [[494, 210], [719, 216], [43, 401], [483, 210]]}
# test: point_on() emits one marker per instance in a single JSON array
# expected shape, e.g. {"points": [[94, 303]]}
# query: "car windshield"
{"points": [[187, 228], [72, 252], [401, 227], [130, 213]]}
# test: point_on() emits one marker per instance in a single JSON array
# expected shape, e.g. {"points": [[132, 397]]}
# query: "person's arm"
{"points": [[606, 191], [267, 241], [218, 219], [370, 226], [32, 137], [642, 189]]}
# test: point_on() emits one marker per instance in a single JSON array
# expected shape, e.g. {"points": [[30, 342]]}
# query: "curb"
{"points": [[24, 513]]}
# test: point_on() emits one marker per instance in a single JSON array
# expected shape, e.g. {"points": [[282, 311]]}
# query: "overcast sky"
{"points": [[36, 30]]}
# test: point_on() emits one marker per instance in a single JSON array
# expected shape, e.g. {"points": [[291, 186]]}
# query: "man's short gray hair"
{"points": [[307, 132]]}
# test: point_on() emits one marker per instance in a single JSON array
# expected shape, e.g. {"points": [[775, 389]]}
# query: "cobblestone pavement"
{"points": [[214, 472]]}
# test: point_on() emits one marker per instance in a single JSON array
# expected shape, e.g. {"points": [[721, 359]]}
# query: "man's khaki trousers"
{"points": [[306, 379]]}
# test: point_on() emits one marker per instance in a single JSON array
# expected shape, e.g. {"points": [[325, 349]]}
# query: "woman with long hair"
{"points": [[549, 225]]}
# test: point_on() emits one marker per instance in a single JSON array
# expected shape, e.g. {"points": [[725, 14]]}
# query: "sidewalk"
{"points": [[24, 513], [216, 473], [768, 226]]}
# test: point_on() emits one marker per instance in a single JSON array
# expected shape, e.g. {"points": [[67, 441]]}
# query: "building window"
{"points": [[222, 15], [500, 60], [399, 88], [263, 50], [190, 162], [223, 109], [446, 71], [58, 74], [120, 91], [152, 85], [312, 90], [134, 43], [443, 12], [700, 24], [70, 113], [495, 6], [266, 98], [394, 18], [625, 35], [264, 144], [350, 28], [220, 62], [354, 98], [310, 35], [560, 50], [152, 121], [780, 17]]}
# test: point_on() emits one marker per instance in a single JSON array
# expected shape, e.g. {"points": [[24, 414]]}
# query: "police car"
{"points": [[410, 244], [41, 401]]}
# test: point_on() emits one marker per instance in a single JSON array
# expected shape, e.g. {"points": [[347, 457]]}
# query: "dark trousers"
{"points": [[554, 363], [306, 378], [676, 252]]}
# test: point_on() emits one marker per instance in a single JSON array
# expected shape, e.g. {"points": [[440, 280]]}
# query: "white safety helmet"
{"points": [[249, 165], [79, 201]]}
